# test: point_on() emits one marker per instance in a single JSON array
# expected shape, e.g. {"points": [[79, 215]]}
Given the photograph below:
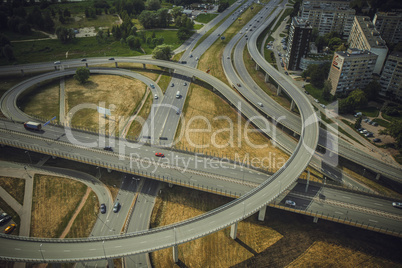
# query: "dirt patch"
{"points": [[120, 94]]}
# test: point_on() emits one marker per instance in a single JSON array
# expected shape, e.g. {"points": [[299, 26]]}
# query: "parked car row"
{"points": [[4, 218]]}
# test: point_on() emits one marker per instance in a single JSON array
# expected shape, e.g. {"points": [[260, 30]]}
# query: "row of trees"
{"points": [[359, 98]]}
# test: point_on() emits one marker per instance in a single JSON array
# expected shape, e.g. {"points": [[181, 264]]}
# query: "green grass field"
{"points": [[369, 111], [205, 18], [52, 50], [316, 93]]}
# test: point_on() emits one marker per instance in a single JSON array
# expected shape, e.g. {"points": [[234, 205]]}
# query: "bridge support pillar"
{"points": [[292, 105], [22, 72], [261, 213], [257, 67], [115, 64], [86, 64], [110, 263], [233, 230], [143, 66], [266, 78], [175, 254], [378, 176], [315, 219], [109, 170], [193, 78], [170, 185], [308, 180], [170, 71], [54, 157], [279, 90]]}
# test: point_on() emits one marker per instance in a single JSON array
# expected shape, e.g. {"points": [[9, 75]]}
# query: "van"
{"points": [[178, 95], [57, 62]]}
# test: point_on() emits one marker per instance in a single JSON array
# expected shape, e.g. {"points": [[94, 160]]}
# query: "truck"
{"points": [[32, 125]]}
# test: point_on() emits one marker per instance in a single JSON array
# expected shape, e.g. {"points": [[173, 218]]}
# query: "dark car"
{"points": [[286, 73], [111, 58], [102, 208], [377, 140], [5, 220], [84, 60], [116, 207], [108, 148]]}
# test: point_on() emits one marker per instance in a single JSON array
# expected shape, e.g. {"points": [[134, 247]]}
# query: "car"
{"points": [[191, 55], [246, 35], [251, 30], [290, 203], [375, 124], [317, 101], [322, 105], [159, 155], [196, 58], [286, 73], [9, 229], [172, 85], [306, 92], [303, 86], [108, 148], [3, 215], [4, 220], [152, 86], [279, 54], [255, 26], [377, 140], [397, 204], [57, 62], [228, 57], [238, 85], [259, 104], [116, 207], [185, 84], [178, 111], [358, 114], [366, 120], [111, 58], [246, 38], [156, 96], [83, 59], [219, 34], [360, 129], [370, 134], [102, 208], [364, 131]]}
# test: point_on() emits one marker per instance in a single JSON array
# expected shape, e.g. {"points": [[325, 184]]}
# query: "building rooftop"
{"points": [[354, 52], [372, 35], [299, 22]]}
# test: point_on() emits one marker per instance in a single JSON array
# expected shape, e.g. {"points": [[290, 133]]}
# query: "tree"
{"points": [[222, 6], [133, 42], [147, 19], [82, 74], [371, 90], [342, 47], [66, 13], [3, 20], [100, 37], [176, 11], [394, 130], [48, 23], [4, 40], [358, 123], [183, 34], [8, 52], [162, 52], [154, 5], [358, 98], [326, 92], [64, 34]]}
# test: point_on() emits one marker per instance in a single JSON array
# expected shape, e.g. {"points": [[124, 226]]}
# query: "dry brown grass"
{"points": [[284, 239], [122, 92], [15, 187], [136, 127], [42, 101], [54, 201], [86, 218], [322, 252], [202, 102], [215, 250]]}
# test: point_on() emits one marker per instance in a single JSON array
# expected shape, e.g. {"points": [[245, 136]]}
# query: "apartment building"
{"points": [[389, 24], [298, 42], [328, 16], [391, 77], [364, 36], [351, 69]]}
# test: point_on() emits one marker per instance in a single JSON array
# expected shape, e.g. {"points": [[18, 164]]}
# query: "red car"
{"points": [[159, 154]]}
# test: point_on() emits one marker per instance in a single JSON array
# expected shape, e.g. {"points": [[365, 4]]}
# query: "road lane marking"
{"points": [[373, 221], [142, 242], [378, 204], [347, 197], [338, 212], [67, 250], [17, 248]]}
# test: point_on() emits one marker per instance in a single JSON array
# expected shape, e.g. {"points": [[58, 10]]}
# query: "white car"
{"points": [[290, 203], [397, 204], [317, 101], [322, 105], [259, 104], [156, 96]]}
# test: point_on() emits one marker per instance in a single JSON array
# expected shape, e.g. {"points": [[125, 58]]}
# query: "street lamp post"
{"points": [[29, 155]]}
